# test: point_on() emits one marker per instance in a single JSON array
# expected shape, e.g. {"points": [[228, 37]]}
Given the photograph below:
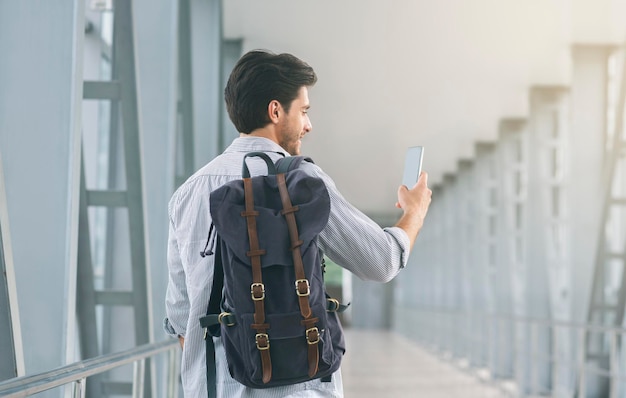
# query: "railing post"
{"points": [[499, 350], [553, 356], [581, 361], [613, 364], [491, 342], [172, 374], [78, 388], [138, 378], [534, 352]]}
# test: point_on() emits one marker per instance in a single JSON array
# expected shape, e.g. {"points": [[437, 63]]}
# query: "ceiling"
{"points": [[398, 73]]}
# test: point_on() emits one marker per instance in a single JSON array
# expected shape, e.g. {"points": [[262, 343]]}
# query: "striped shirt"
{"points": [[350, 239]]}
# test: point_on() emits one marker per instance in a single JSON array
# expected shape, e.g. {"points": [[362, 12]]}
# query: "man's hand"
{"points": [[414, 202], [181, 340]]}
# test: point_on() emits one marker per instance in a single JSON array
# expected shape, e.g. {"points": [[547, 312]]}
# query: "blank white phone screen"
{"points": [[412, 165]]}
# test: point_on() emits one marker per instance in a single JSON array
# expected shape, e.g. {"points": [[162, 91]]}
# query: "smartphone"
{"points": [[412, 165]]}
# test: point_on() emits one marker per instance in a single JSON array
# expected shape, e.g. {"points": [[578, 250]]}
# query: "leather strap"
{"points": [[302, 284], [257, 288]]}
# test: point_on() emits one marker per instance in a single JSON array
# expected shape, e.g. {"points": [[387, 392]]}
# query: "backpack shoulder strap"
{"points": [[208, 323], [289, 163]]}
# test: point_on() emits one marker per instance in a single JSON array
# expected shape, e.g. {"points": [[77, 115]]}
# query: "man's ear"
{"points": [[273, 110]]}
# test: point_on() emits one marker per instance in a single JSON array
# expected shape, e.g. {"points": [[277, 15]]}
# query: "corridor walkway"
{"points": [[382, 364]]}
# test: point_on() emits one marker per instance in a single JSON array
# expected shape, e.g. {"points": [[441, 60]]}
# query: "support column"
{"points": [[451, 283], [487, 232], [206, 42], [434, 246], [415, 294], [436, 271], [373, 309], [512, 258], [588, 126], [231, 52], [608, 295], [412, 289], [418, 293], [185, 165], [469, 302], [549, 270]]}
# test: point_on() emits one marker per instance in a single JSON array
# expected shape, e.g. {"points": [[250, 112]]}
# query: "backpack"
{"points": [[268, 304]]}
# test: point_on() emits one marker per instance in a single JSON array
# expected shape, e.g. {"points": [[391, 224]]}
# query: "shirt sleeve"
{"points": [[176, 298], [356, 242]]}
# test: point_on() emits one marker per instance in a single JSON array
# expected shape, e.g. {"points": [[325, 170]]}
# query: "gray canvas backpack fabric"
{"points": [[277, 324]]}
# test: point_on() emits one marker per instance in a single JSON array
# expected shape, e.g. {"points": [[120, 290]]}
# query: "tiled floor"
{"points": [[385, 365]]}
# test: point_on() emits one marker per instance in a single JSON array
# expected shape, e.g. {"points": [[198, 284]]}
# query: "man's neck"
{"points": [[265, 132]]}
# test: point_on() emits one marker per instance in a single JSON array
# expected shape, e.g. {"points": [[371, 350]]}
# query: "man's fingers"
{"points": [[424, 177]]}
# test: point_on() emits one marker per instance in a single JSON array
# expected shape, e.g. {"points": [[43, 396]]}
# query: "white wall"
{"points": [[406, 72]]}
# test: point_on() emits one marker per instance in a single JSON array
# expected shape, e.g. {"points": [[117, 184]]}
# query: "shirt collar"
{"points": [[250, 144]]}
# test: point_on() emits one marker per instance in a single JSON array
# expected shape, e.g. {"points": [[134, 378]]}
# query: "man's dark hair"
{"points": [[260, 77]]}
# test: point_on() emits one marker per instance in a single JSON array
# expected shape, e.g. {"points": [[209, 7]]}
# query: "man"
{"points": [[267, 101]]}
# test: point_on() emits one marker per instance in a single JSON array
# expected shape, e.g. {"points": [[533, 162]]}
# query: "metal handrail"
{"points": [[77, 372], [594, 328], [576, 364]]}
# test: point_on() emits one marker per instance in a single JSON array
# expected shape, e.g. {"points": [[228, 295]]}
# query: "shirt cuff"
{"points": [[403, 242], [169, 329]]}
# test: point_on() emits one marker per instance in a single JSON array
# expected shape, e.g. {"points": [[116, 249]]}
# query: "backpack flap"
{"points": [[308, 193]]}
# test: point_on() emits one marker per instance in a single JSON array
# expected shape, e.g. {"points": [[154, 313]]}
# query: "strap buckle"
{"points": [[262, 341], [223, 319], [332, 305], [308, 287], [253, 292], [312, 336]]}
